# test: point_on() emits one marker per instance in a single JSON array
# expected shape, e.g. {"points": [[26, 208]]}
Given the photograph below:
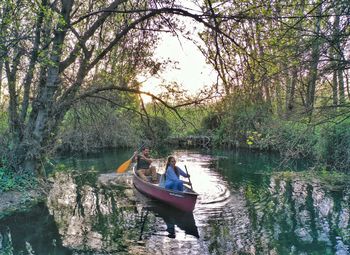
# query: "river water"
{"points": [[244, 207]]}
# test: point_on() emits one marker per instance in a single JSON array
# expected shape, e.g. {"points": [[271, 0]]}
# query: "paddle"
{"points": [[123, 167], [189, 180]]}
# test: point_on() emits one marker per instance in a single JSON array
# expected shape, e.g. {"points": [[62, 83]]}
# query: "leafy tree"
{"points": [[55, 54], [281, 51], [158, 130], [282, 72]]}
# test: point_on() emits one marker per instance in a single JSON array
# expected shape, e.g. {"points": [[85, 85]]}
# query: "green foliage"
{"points": [[333, 147], [14, 181], [190, 122], [158, 130], [280, 70], [253, 137], [244, 124], [3, 121], [211, 121], [239, 122], [291, 139], [87, 129], [191, 125], [235, 120]]}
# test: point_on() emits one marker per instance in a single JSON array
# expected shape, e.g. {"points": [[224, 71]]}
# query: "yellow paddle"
{"points": [[123, 167]]}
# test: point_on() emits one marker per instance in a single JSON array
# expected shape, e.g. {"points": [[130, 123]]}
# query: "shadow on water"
{"points": [[31, 231], [172, 217]]}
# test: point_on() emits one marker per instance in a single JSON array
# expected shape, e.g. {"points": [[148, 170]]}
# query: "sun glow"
{"points": [[191, 71]]}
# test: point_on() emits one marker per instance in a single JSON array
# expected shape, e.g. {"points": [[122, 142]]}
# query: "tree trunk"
{"points": [[315, 56], [1, 69], [335, 88], [341, 86], [11, 72], [33, 59], [339, 55], [264, 80], [290, 92], [40, 126], [338, 79]]}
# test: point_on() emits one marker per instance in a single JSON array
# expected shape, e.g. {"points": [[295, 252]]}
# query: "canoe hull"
{"points": [[184, 201]]}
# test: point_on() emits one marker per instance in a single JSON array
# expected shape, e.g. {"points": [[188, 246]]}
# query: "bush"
{"points": [[333, 147], [242, 123], [291, 139], [235, 120], [158, 130], [85, 132], [11, 181]]}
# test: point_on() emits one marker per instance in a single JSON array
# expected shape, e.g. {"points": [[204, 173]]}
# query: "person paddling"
{"points": [[172, 175], [144, 167]]}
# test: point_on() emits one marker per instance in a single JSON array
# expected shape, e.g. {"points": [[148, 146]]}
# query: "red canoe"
{"points": [[184, 201]]}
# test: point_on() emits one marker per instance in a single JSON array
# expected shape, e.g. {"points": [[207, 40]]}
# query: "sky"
{"points": [[192, 71]]}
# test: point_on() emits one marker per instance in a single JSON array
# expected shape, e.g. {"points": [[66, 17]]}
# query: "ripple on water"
{"points": [[220, 204], [216, 195]]}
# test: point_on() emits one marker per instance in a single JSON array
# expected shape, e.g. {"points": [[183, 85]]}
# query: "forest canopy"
{"points": [[69, 68]]}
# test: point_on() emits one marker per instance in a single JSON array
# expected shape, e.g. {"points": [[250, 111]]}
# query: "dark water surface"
{"points": [[243, 207]]}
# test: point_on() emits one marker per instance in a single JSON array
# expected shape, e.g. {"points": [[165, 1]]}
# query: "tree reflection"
{"points": [[293, 216], [274, 214], [91, 218], [6, 246]]}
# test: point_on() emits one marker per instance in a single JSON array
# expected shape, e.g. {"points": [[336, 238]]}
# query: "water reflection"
{"points": [[90, 217], [240, 210], [171, 217], [33, 232], [299, 217], [220, 216]]}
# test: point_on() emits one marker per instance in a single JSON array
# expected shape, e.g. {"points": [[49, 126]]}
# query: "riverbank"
{"points": [[18, 201], [331, 180]]}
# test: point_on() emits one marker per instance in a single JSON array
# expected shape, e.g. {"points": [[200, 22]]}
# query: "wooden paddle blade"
{"points": [[123, 167]]}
